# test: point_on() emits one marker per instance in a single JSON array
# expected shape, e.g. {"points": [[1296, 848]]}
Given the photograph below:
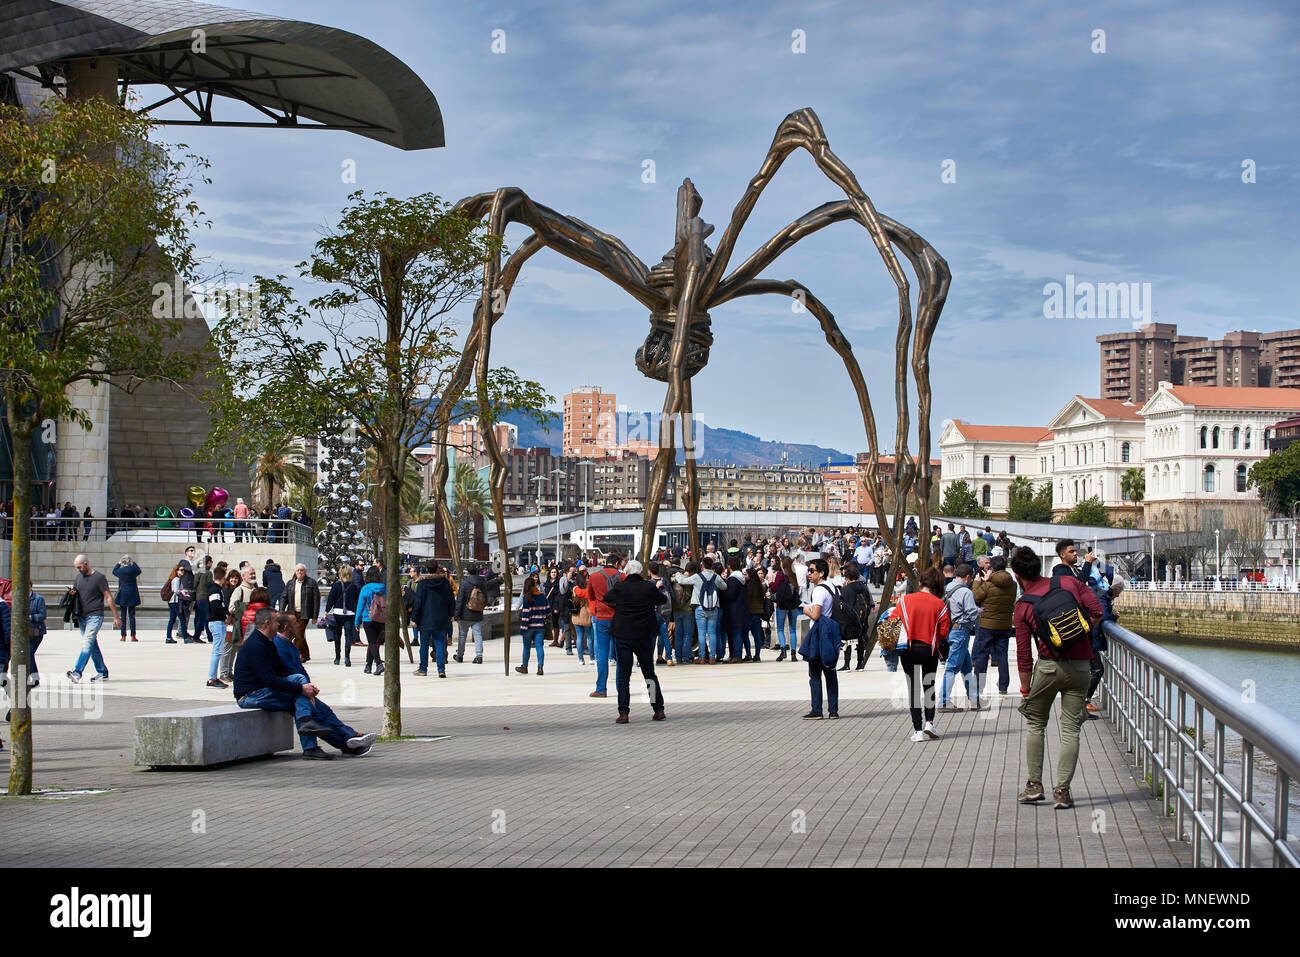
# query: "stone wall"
{"points": [[1257, 618]]}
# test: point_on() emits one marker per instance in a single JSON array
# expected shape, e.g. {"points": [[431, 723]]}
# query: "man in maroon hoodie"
{"points": [[1040, 683]]}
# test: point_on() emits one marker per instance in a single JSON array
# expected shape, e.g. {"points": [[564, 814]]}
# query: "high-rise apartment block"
{"points": [[590, 423], [1133, 364]]}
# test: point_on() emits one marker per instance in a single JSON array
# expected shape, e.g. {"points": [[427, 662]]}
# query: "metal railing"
{"points": [[73, 531], [1149, 694], [1227, 584]]}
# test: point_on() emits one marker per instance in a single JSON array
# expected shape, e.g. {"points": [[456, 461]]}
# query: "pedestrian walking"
{"points": [[921, 643], [533, 614], [634, 627], [964, 615], [371, 617], [995, 593], [90, 592]]}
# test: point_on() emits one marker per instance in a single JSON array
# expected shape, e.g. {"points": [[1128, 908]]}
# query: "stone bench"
{"points": [[204, 737]]}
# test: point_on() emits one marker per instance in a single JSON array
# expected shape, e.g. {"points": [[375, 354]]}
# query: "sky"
{"points": [[1062, 160]]}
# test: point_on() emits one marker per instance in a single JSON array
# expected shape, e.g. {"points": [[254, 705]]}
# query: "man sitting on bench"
{"points": [[263, 681]]}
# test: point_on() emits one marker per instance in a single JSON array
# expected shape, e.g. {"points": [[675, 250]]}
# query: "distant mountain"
{"points": [[725, 445]]}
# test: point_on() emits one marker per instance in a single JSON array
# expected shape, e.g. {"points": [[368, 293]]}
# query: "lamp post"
{"points": [[1293, 562], [1217, 574], [537, 557], [1153, 561], [586, 501], [557, 472]]}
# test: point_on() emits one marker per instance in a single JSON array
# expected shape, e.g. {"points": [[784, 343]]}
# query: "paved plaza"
{"points": [[542, 776]]}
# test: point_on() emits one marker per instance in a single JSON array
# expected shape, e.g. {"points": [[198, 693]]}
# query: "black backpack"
{"points": [[785, 597], [1060, 622], [844, 616]]}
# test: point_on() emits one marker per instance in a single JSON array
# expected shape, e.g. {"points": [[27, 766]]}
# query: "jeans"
{"points": [[991, 643], [664, 647], [706, 626], [90, 626], [604, 646], [465, 628], [302, 708], [128, 616], [175, 608], [217, 632], [683, 635], [958, 663], [1096, 670], [439, 641], [784, 616], [229, 650], [200, 618], [643, 648], [816, 671], [586, 642], [755, 629], [1050, 677], [735, 631], [185, 620], [535, 638], [919, 664]]}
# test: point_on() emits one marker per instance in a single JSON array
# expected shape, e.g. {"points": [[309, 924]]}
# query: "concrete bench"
{"points": [[205, 737]]}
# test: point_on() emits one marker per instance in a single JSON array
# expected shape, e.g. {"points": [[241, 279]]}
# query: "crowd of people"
{"points": [[974, 593], [238, 522]]}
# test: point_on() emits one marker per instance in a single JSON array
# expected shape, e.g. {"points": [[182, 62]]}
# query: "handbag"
{"points": [[887, 633]]}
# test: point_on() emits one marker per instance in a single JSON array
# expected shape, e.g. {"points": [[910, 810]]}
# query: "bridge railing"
{"points": [[1205, 772], [127, 530]]}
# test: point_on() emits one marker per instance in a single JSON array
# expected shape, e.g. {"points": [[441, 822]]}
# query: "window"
{"points": [[987, 496], [1241, 478], [1236, 437], [1205, 434], [1248, 436], [986, 465], [1216, 437], [1011, 465], [1102, 457], [1209, 478], [1124, 452]]}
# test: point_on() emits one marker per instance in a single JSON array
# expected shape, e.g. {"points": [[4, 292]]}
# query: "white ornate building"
{"points": [[988, 457], [1095, 441], [1201, 442]]}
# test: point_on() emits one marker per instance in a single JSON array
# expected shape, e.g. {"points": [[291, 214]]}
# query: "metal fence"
{"points": [[1205, 773], [1227, 584], [271, 531]]}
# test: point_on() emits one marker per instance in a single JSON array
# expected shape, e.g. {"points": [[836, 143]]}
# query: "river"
{"points": [[1276, 674]]}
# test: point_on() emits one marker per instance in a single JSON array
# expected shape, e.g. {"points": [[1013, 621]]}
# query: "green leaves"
{"points": [[960, 501], [1026, 505], [1277, 478]]}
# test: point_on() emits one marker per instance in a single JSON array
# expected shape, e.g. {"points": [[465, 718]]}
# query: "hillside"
{"points": [[726, 445]]}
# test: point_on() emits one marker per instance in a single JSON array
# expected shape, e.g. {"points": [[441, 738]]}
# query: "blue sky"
{"points": [[1123, 166]]}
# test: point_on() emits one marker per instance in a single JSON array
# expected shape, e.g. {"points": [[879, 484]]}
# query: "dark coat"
{"points": [[634, 600], [735, 604], [822, 643], [433, 606], [462, 596], [273, 582], [310, 597], [128, 592]]}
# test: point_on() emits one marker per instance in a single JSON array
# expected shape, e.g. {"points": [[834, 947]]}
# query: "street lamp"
{"points": [[557, 472], [1217, 573], [1293, 563], [586, 500], [537, 556], [1153, 561]]}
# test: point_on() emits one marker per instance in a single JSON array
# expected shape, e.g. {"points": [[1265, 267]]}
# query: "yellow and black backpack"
{"points": [[1060, 622]]}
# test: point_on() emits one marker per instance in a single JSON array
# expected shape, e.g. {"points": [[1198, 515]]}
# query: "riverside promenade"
{"points": [[529, 770]]}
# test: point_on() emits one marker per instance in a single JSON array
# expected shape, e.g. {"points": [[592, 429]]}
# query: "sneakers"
{"points": [[74, 676], [316, 754], [917, 736], [214, 683], [363, 740], [834, 715], [1033, 791], [419, 674], [929, 730], [103, 677], [1061, 798], [359, 752], [477, 661], [442, 674], [813, 716], [456, 658], [314, 729]]}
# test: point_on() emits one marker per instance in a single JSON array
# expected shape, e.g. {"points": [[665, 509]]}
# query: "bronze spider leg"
{"points": [[569, 237], [934, 278]]}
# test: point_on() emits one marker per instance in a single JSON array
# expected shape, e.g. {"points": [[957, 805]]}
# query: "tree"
{"points": [[471, 498], [1026, 504], [1089, 511], [275, 467], [92, 217], [377, 493], [1133, 485], [960, 502], [378, 346], [1277, 478]]}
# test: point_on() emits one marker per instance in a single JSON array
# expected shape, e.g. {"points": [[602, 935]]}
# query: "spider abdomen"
{"points": [[654, 355]]}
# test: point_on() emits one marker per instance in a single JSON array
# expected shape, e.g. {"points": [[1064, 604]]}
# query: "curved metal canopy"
{"points": [[201, 55]]}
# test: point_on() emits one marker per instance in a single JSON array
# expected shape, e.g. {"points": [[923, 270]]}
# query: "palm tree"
{"points": [[412, 491], [469, 498], [1133, 485], [275, 468]]}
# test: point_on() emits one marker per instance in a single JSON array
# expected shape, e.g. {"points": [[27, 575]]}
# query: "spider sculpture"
{"points": [[680, 292]]}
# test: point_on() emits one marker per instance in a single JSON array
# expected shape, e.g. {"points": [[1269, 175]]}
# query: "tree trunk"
{"points": [[392, 726], [20, 714]]}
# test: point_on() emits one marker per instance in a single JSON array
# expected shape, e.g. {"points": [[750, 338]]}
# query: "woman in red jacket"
{"points": [[925, 628]]}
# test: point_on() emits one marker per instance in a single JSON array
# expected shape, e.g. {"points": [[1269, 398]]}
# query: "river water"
{"points": [[1276, 674]]}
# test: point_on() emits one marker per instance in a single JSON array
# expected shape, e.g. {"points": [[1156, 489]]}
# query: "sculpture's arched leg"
{"points": [[691, 498]]}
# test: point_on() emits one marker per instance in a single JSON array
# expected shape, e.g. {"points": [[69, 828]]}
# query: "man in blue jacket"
{"points": [[263, 681], [431, 616]]}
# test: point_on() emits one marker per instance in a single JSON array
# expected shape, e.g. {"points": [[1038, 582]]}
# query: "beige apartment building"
{"points": [[590, 423], [756, 488]]}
